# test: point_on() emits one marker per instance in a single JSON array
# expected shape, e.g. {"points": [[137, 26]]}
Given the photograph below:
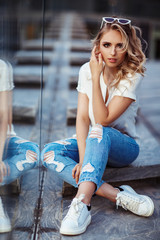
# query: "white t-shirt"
{"points": [[6, 83], [126, 88], [6, 76]]}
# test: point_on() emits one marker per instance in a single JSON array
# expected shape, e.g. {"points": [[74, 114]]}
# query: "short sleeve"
{"points": [[6, 76], [83, 76], [128, 87]]}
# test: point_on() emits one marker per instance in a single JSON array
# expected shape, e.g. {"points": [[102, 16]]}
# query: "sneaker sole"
{"points": [[78, 231], [148, 199]]}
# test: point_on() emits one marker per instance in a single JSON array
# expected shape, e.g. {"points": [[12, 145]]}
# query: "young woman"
{"points": [[108, 101], [16, 154]]}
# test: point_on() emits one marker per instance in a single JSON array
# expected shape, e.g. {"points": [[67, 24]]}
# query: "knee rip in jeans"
{"points": [[63, 142], [31, 157], [19, 141], [49, 159], [96, 132], [87, 168]]}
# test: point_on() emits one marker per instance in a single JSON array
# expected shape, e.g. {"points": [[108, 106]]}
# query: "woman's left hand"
{"points": [[76, 172], [4, 170], [96, 63]]}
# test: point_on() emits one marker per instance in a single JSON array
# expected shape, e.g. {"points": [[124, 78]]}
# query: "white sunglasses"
{"points": [[112, 19]]}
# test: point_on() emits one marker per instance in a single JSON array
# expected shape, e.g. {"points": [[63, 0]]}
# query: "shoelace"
{"points": [[127, 202], [75, 207]]}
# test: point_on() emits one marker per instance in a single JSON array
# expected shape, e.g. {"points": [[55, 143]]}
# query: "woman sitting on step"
{"points": [[108, 102], [17, 155]]}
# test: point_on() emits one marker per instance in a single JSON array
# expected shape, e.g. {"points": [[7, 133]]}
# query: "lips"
{"points": [[112, 60]]}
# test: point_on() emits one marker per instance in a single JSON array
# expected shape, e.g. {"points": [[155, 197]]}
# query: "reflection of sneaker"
{"points": [[5, 225], [77, 218], [136, 203]]}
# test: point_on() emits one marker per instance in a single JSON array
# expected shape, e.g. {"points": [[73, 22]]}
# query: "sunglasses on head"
{"points": [[122, 21]]}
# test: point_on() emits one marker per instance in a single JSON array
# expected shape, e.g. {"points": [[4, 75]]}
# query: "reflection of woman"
{"points": [[16, 154], [108, 100]]}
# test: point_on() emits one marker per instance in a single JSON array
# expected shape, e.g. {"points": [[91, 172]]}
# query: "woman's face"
{"points": [[111, 48]]}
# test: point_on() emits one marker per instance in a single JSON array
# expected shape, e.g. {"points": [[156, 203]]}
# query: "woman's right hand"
{"points": [[4, 170], [76, 172], [96, 63]]}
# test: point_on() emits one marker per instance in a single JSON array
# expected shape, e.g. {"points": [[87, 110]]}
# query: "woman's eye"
{"points": [[106, 45], [120, 45]]}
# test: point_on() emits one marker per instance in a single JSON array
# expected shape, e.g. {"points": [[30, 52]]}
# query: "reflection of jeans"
{"points": [[20, 155], [104, 146]]}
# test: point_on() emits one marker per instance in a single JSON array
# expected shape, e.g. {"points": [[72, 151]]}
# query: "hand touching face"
{"points": [[96, 63]]}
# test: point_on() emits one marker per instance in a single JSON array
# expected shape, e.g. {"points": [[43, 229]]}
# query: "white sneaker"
{"points": [[5, 225], [130, 200], [77, 218]]}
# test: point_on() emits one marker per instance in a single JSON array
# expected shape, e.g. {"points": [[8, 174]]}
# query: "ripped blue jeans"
{"points": [[105, 146], [19, 155]]}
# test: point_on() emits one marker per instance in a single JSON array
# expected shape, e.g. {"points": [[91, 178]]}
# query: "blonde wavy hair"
{"points": [[135, 58]]}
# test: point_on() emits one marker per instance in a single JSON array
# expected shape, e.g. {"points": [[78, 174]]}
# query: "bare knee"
{"points": [[49, 158], [96, 132]]}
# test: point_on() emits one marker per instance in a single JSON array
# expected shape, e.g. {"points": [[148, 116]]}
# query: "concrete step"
{"points": [[25, 104], [72, 107], [29, 75], [51, 35], [79, 47], [79, 35], [79, 58], [13, 188], [33, 57], [73, 81], [70, 71], [36, 45]]}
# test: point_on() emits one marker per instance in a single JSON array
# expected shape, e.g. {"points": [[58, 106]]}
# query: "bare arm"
{"points": [[82, 128], [3, 120], [3, 130], [103, 114]]}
